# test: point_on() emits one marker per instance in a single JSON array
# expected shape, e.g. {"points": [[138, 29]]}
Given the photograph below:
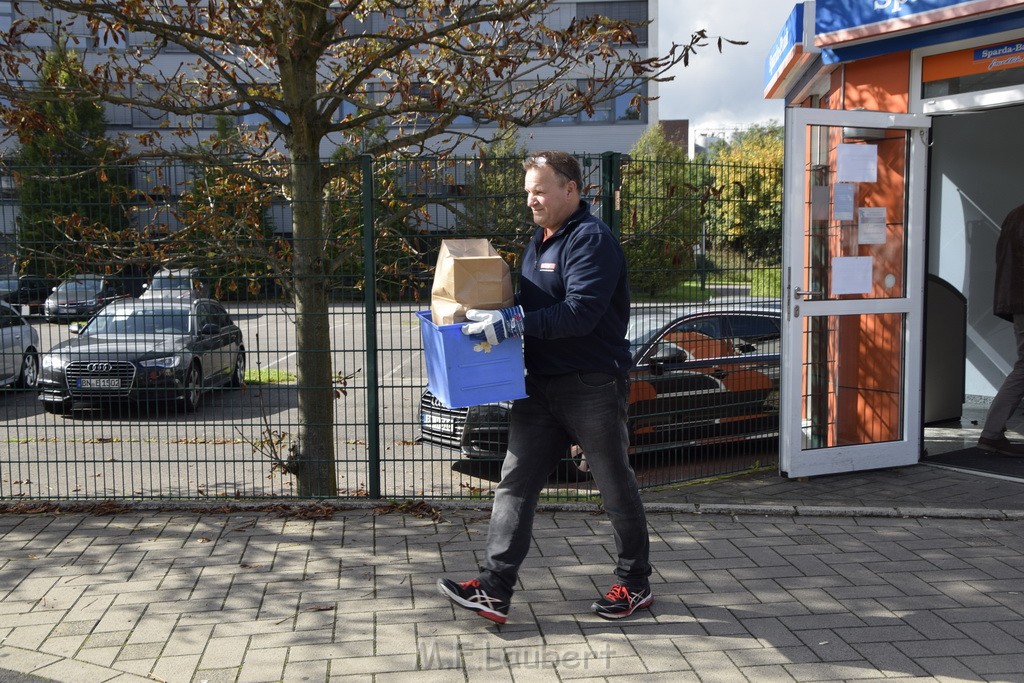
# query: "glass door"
{"points": [[853, 288]]}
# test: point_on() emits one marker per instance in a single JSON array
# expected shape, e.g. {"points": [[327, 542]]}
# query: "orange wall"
{"points": [[877, 84]]}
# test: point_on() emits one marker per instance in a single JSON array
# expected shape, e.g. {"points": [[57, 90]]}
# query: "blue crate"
{"points": [[460, 376]]}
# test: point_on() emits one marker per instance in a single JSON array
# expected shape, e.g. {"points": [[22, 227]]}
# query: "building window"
{"points": [[633, 11], [560, 15], [117, 114], [6, 15], [629, 106], [374, 22], [626, 107], [32, 10], [147, 117]]}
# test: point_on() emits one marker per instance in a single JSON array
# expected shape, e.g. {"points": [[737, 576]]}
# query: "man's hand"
{"points": [[494, 326]]}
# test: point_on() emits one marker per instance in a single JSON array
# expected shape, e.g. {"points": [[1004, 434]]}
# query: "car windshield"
{"points": [[79, 286], [171, 282], [644, 324], [145, 321]]}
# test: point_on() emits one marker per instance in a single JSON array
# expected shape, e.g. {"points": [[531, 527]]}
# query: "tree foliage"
{"points": [[660, 222], [68, 179], [222, 205], [307, 75], [750, 217], [396, 249]]}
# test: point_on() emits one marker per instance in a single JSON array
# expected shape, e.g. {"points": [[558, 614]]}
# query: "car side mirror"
{"points": [[75, 328], [209, 329], [656, 367]]}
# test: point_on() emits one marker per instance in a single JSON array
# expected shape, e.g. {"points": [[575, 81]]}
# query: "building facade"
{"points": [[903, 146], [614, 125]]}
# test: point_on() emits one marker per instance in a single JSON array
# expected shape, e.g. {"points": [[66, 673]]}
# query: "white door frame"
{"points": [[797, 458]]}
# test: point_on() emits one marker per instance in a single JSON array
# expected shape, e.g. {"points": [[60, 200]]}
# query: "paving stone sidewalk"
{"points": [[248, 596], [916, 490]]}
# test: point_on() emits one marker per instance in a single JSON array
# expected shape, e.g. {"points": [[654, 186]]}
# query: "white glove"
{"points": [[495, 326]]}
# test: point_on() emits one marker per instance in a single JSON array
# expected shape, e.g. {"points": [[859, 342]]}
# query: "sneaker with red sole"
{"points": [[472, 596], [621, 601]]}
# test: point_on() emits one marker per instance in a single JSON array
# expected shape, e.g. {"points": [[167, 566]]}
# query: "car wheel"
{"points": [[192, 390], [238, 374], [29, 377]]}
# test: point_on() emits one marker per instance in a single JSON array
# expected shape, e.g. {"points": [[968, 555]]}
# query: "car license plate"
{"points": [[438, 423], [99, 383]]}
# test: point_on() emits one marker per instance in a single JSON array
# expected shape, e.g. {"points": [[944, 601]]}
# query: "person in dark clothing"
{"points": [[1008, 304], [572, 311]]}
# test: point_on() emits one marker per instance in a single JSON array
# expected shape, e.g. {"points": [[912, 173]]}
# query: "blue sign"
{"points": [[792, 34], [837, 16], [1009, 50]]}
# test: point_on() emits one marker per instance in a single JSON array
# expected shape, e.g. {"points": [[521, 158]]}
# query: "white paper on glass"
{"points": [[851, 275], [871, 225], [819, 203], [842, 201], [856, 163]]}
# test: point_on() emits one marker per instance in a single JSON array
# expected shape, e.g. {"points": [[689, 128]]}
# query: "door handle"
{"points": [[805, 294]]}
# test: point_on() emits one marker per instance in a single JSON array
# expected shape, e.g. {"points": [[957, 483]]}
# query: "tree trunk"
{"points": [[315, 469]]}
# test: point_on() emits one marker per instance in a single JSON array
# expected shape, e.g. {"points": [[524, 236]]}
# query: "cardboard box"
{"points": [[469, 274], [464, 372]]}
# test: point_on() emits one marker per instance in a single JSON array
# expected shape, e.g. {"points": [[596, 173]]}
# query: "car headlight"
{"points": [[51, 362], [165, 362]]}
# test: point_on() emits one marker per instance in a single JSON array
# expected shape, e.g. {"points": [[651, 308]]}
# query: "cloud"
{"points": [[721, 91]]}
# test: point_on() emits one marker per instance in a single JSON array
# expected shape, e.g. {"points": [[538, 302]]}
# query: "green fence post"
{"points": [[370, 325], [611, 191]]}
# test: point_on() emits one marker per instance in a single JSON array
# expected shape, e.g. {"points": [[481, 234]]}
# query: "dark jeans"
{"points": [[1009, 396], [588, 409]]}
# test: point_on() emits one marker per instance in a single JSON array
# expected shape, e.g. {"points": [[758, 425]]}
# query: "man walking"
{"points": [[1008, 304], [572, 312]]}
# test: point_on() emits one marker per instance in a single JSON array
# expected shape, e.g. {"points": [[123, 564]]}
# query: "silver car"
{"points": [[19, 350], [79, 297], [179, 283]]}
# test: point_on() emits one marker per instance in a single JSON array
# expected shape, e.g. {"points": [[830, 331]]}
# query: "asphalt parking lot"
{"points": [[219, 450], [224, 449]]}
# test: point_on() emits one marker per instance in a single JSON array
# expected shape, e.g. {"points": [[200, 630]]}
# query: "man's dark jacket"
{"points": [[1009, 290], [575, 294]]}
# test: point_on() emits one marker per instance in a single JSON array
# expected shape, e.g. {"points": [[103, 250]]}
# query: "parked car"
{"points": [[19, 350], [144, 350], [700, 375], [178, 283], [26, 290], [79, 297]]}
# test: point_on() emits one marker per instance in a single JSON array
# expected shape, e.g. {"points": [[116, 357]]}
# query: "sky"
{"points": [[720, 92]]}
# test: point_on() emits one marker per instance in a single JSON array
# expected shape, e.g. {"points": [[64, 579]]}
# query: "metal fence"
{"points": [[698, 238]]}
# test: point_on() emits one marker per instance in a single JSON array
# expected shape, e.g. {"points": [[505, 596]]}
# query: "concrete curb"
{"points": [[302, 507]]}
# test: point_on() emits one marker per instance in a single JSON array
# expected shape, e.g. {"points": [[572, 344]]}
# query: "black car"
{"points": [[142, 350], [79, 297], [700, 375], [25, 290]]}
